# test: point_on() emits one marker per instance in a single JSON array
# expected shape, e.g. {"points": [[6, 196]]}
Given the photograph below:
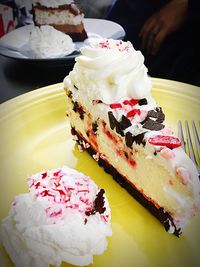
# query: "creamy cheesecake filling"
{"points": [[57, 17]]}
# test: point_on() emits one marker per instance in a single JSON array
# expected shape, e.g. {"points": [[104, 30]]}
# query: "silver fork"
{"points": [[186, 142]]}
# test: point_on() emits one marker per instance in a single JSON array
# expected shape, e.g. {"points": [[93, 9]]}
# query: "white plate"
{"points": [[15, 43]]}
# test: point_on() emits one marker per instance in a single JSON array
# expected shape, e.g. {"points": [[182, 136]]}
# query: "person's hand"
{"points": [[167, 20]]}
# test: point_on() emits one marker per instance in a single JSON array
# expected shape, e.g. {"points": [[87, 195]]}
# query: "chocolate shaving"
{"points": [[161, 115], [129, 139], [119, 130], [126, 154], [79, 109], [115, 124], [94, 127], [98, 204], [69, 94], [138, 139], [157, 114], [152, 114], [112, 120], [125, 122], [153, 125], [142, 102]]}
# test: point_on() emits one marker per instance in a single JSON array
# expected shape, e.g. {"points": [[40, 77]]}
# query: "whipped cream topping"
{"points": [[47, 42], [109, 70], [64, 217], [52, 3]]}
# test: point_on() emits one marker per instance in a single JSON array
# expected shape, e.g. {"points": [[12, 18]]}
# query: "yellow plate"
{"points": [[35, 135]]}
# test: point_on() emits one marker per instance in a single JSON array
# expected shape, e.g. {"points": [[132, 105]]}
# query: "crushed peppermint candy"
{"points": [[167, 153], [133, 112], [183, 174], [127, 102], [164, 140], [117, 45], [130, 108], [131, 102], [67, 189], [115, 105]]}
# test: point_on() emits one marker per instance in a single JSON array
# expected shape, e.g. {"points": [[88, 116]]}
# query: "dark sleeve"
{"points": [[194, 11]]}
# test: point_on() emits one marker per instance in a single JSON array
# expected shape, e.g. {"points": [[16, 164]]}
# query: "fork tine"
{"points": [[189, 142], [180, 134], [196, 137]]}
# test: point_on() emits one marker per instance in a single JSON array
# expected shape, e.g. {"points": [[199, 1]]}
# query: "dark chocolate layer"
{"points": [[78, 37]]}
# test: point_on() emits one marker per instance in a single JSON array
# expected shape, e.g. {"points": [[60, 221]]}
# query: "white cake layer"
{"points": [[61, 17]]}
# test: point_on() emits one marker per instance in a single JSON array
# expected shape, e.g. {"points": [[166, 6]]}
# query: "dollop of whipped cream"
{"points": [[52, 3], [64, 217], [109, 70], [47, 42]]}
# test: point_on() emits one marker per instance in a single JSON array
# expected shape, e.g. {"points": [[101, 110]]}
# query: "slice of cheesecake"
{"points": [[63, 15], [115, 118]]}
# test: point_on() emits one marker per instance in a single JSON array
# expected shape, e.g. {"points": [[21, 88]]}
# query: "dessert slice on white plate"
{"points": [[63, 15]]}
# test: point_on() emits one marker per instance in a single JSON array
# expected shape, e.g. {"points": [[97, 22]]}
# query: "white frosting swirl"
{"points": [[52, 3], [109, 70], [47, 42]]}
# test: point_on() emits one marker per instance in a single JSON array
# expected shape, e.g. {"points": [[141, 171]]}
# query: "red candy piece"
{"points": [[133, 112], [44, 175], [104, 44], [115, 105], [131, 102], [162, 140]]}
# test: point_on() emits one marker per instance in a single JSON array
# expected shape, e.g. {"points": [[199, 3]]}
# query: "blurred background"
{"points": [[167, 33]]}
